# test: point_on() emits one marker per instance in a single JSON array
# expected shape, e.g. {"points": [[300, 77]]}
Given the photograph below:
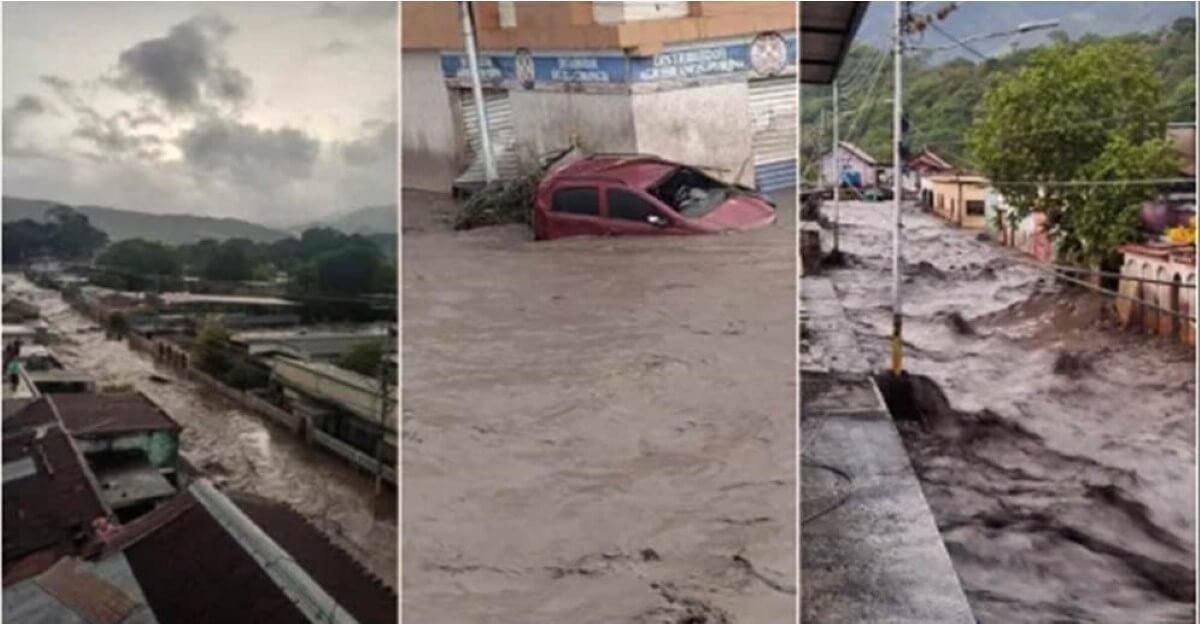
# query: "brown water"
{"points": [[597, 429], [235, 448], [1057, 452]]}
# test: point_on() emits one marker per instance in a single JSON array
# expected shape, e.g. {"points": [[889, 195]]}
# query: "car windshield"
{"points": [[691, 193]]}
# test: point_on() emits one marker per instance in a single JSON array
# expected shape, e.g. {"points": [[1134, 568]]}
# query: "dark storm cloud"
{"points": [[379, 145], [249, 155], [185, 67], [107, 137], [25, 107], [378, 13]]}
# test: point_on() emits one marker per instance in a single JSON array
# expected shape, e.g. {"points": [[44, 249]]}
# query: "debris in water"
{"points": [[1071, 364], [960, 325], [156, 378], [649, 554]]}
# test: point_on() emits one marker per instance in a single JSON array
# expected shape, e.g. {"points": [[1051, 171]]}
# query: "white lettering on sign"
{"points": [[689, 57], [574, 75], [578, 63]]}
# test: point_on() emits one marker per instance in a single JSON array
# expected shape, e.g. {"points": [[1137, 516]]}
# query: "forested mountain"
{"points": [[940, 99]]}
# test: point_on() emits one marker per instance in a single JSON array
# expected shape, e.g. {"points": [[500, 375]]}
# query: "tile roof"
{"points": [[100, 414], [51, 509]]}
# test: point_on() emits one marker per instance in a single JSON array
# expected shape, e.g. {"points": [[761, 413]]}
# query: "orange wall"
{"points": [[569, 25]]}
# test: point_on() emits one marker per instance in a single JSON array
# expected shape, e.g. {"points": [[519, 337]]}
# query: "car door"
{"points": [[575, 211], [629, 211]]}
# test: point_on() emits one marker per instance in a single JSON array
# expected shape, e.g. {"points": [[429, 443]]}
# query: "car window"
{"points": [[629, 206], [581, 200]]}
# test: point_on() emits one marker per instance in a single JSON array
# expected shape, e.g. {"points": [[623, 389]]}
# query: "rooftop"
{"points": [[107, 414], [184, 298], [50, 500]]}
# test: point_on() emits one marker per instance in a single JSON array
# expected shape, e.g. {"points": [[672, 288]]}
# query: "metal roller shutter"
{"points": [[773, 116], [500, 126]]}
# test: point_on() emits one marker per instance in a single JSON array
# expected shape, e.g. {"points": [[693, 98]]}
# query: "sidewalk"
{"points": [[870, 550]]}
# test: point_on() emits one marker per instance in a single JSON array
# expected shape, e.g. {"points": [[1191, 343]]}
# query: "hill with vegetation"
{"points": [[367, 221], [122, 225], [941, 100]]}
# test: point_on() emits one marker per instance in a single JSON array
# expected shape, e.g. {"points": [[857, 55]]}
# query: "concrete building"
{"points": [[1164, 262], [710, 84], [961, 199]]}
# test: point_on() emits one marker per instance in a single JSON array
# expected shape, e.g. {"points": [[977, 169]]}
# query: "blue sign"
{"points": [[679, 64]]}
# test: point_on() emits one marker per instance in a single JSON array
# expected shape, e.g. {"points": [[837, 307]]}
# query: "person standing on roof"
{"points": [[14, 373]]}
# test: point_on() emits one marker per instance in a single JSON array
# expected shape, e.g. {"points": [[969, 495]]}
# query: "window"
{"points": [[508, 14], [580, 200], [629, 206], [974, 208]]}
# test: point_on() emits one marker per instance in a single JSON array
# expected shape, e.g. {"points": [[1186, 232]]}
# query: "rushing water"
{"points": [[1057, 451], [597, 429], [235, 448]]}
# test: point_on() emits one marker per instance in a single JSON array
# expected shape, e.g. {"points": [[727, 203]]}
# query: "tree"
{"points": [[138, 263], [230, 262], [364, 358], [25, 240], [210, 348], [1076, 114], [73, 235]]}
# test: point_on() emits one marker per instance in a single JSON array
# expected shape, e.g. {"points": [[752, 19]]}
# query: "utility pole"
{"points": [[897, 139], [837, 171], [485, 136]]}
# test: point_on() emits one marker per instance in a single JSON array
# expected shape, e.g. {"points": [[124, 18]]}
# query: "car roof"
{"points": [[634, 170]]}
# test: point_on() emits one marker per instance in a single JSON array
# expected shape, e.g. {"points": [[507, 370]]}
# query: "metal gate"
{"points": [[500, 127], [773, 117]]}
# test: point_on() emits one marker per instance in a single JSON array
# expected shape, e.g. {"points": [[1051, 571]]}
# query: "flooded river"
{"points": [[235, 448], [1057, 452], [597, 430]]}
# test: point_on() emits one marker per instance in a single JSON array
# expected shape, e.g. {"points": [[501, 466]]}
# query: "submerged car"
{"points": [[606, 195]]}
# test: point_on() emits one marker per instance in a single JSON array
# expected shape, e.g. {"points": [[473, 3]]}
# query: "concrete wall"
{"points": [[1170, 297], [546, 120], [433, 146], [705, 126]]}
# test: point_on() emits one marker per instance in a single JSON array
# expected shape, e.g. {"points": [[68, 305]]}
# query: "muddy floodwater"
{"points": [[236, 449], [1057, 451], [597, 430]]}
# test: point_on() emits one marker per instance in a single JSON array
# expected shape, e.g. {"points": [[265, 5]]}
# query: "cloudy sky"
{"points": [[273, 112]]}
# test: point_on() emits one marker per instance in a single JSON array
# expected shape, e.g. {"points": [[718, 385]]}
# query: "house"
{"points": [[960, 199], [205, 556], [1173, 263], [200, 555], [850, 165], [920, 168]]}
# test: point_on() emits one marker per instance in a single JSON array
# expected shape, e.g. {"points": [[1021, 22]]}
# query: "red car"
{"points": [[611, 195]]}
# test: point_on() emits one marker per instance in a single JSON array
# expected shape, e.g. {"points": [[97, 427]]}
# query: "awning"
{"points": [[826, 30]]}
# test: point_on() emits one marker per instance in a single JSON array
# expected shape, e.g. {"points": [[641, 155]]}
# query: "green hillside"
{"points": [[126, 224], [940, 99]]}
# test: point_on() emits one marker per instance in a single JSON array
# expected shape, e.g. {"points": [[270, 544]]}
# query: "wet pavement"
{"points": [[1056, 452], [597, 429], [238, 450]]}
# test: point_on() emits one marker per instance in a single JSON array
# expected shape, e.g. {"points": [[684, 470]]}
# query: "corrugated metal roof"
{"points": [[107, 414], [81, 591], [52, 510]]}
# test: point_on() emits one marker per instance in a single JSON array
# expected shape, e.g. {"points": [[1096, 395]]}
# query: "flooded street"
{"points": [[1057, 452], [598, 430], [234, 448]]}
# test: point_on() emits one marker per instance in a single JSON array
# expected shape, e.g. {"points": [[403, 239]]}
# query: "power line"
{"points": [[956, 40]]}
